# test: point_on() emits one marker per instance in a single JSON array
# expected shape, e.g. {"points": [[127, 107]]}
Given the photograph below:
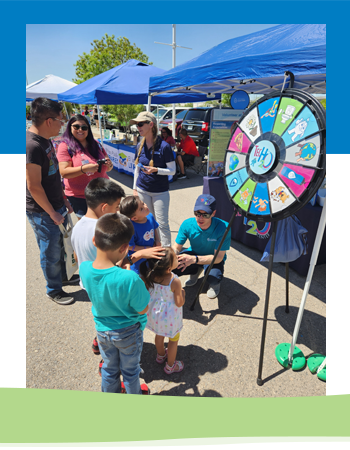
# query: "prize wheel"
{"points": [[276, 157]]}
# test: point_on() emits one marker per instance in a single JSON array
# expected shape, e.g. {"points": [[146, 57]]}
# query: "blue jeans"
{"points": [[121, 352], [215, 275], [50, 242]]}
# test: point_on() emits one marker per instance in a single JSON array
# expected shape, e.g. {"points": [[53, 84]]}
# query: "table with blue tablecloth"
{"points": [[121, 155], [256, 234]]}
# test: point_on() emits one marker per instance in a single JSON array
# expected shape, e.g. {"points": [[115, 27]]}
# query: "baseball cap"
{"points": [[205, 203], [144, 116]]}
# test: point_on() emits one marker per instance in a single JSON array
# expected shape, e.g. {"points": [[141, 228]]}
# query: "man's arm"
{"points": [[186, 260], [177, 248], [33, 176]]}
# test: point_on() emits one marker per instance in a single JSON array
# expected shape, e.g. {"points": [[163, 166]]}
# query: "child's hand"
{"points": [[152, 252]]}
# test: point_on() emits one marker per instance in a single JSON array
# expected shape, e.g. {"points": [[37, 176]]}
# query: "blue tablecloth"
{"points": [[121, 155], [256, 234]]}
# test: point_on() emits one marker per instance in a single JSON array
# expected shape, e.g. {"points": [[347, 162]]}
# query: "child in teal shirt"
{"points": [[119, 305]]}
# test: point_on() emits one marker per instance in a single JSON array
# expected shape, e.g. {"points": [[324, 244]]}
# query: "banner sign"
{"points": [[222, 123]]}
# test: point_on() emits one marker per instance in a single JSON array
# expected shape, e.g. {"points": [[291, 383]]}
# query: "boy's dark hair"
{"points": [[129, 205], [101, 190], [112, 231], [183, 132], [156, 268], [44, 108]]}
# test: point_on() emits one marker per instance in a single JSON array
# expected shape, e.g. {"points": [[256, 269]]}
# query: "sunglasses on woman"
{"points": [[141, 124], [83, 127], [204, 215]]}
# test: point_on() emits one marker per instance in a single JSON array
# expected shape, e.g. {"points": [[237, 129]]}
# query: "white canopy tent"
{"points": [[49, 87]]}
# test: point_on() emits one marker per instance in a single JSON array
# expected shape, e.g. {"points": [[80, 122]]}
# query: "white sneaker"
{"points": [[192, 279], [213, 291]]}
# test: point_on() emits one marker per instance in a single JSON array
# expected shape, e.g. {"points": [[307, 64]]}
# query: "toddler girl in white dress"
{"points": [[164, 315]]}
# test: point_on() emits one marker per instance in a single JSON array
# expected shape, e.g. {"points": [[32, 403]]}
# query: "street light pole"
{"points": [[173, 45]]}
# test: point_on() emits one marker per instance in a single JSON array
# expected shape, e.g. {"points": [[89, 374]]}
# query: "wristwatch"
{"points": [[196, 259], [129, 259]]}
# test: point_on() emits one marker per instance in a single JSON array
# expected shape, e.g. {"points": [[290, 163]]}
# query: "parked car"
{"points": [[178, 122], [197, 124], [161, 114]]}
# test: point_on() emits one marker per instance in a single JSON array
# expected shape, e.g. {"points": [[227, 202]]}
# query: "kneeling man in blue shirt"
{"points": [[204, 232]]}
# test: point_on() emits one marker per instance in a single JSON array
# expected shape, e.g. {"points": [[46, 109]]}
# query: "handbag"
{"points": [[291, 241], [71, 263]]}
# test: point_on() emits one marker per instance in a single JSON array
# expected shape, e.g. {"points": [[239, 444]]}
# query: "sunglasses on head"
{"points": [[141, 124], [204, 215], [83, 127]]}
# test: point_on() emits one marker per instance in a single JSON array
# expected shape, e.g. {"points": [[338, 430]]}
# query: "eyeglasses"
{"points": [[83, 127], [55, 118], [141, 124], [204, 215]]}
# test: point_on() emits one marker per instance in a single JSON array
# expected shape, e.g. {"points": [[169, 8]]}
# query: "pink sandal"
{"points": [[178, 366], [160, 359]]}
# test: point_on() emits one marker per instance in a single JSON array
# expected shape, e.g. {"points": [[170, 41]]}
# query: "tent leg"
{"points": [[267, 297], [287, 288], [212, 263], [314, 256], [100, 123]]}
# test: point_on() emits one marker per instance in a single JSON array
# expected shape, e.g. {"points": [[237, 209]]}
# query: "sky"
{"points": [[54, 48]]}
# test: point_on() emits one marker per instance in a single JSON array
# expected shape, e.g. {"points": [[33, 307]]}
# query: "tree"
{"points": [[106, 54], [225, 99]]}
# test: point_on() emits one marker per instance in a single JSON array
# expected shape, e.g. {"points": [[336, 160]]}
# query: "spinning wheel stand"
{"points": [[290, 354], [274, 164]]}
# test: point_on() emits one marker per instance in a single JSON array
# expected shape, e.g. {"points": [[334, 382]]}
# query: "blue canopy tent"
{"points": [[255, 63], [126, 84]]}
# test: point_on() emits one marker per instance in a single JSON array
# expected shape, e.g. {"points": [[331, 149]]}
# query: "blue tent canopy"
{"points": [[255, 63], [126, 84]]}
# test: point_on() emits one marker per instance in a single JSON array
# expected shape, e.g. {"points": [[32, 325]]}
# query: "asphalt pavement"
{"points": [[220, 340]]}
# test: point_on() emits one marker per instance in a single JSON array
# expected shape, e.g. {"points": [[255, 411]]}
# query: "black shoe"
{"points": [[74, 280], [61, 297], [181, 176]]}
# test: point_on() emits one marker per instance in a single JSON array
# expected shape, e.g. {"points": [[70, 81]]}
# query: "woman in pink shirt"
{"points": [[77, 155], [167, 136]]}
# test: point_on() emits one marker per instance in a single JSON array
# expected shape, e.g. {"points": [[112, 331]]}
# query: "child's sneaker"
{"points": [[178, 366], [145, 389], [100, 366], [95, 348], [161, 359]]}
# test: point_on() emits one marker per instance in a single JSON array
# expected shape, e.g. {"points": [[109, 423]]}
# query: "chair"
{"points": [[199, 164]]}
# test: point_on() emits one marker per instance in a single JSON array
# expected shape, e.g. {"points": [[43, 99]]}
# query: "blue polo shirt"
{"points": [[161, 156], [204, 242]]}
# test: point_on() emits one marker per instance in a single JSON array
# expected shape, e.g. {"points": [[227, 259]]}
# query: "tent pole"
{"points": [[100, 123], [314, 256], [149, 103], [267, 297]]}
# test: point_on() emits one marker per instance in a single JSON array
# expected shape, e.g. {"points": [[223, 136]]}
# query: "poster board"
{"points": [[222, 123]]}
